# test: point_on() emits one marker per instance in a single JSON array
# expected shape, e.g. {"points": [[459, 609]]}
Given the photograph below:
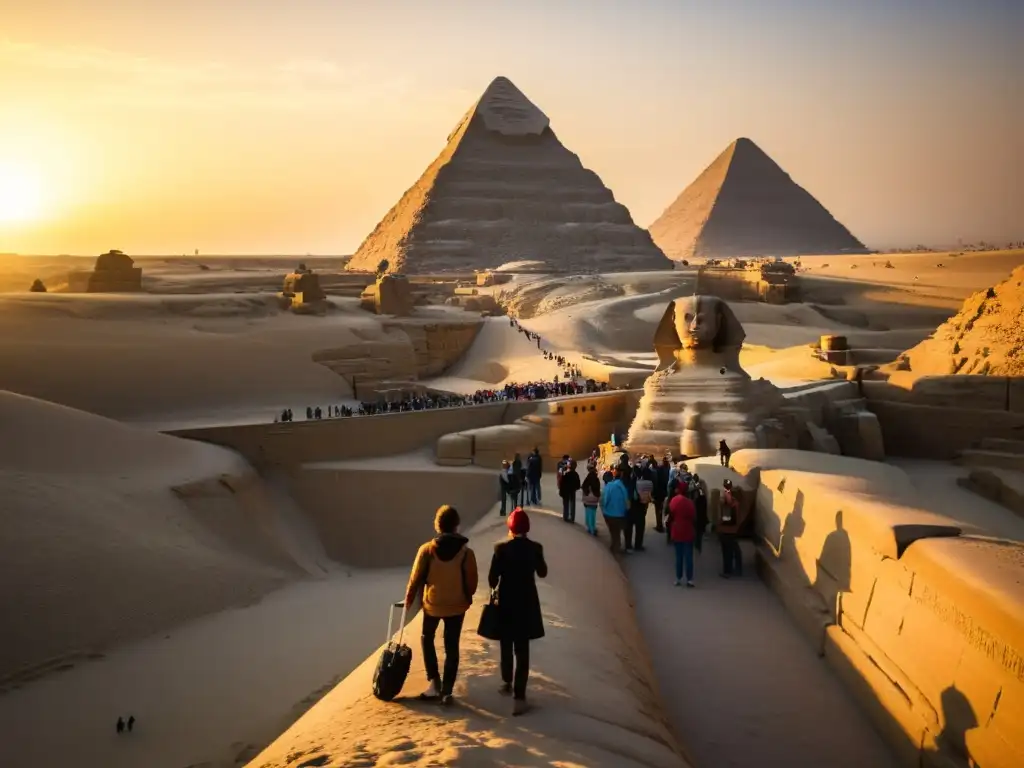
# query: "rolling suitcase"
{"points": [[395, 660]]}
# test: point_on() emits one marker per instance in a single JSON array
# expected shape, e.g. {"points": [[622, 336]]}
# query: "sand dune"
{"points": [[97, 549], [143, 357]]}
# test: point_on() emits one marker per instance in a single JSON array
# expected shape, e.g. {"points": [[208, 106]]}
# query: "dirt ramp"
{"points": [[591, 684]]}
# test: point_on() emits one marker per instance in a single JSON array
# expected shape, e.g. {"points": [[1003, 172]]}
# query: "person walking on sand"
{"points": [[445, 572], [591, 488], [681, 518], [615, 506], [514, 566], [567, 490]]}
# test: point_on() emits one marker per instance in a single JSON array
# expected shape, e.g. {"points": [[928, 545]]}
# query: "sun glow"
{"points": [[21, 194]]}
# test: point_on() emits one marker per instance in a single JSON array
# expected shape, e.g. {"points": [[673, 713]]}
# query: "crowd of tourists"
{"points": [[570, 370], [531, 390], [626, 493], [445, 574]]}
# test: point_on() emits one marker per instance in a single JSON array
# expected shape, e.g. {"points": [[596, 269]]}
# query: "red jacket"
{"points": [[681, 516]]}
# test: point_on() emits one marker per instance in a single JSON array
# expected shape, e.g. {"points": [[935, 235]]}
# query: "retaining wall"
{"points": [[923, 620]]}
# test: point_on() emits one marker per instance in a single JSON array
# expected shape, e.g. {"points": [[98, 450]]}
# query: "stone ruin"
{"points": [[390, 294], [114, 272], [699, 394], [301, 291]]}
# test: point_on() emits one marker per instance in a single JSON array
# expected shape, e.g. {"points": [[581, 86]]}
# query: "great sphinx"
{"points": [[699, 394]]}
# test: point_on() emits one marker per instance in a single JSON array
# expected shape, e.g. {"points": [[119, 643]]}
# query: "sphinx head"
{"points": [[697, 323]]}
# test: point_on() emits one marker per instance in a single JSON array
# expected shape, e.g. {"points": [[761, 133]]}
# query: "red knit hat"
{"points": [[518, 522]]}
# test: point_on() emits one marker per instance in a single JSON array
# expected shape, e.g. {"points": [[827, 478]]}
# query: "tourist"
{"points": [[534, 471], [445, 573], [681, 517], [567, 489], [520, 473], [643, 488], [514, 566], [700, 503], [503, 485], [661, 477], [728, 531], [614, 507], [591, 488], [512, 484], [724, 452], [628, 477]]}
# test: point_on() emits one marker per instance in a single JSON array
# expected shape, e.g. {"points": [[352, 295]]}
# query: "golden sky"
{"points": [[254, 126]]}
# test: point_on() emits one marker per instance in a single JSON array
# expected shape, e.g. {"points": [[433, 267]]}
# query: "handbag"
{"points": [[489, 619]]}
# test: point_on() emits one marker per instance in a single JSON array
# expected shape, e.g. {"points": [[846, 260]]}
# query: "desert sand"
{"points": [[141, 566]]}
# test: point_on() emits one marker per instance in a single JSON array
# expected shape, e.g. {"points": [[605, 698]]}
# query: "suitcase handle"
{"points": [[401, 625]]}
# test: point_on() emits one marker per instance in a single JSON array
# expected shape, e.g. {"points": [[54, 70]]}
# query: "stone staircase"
{"points": [[994, 452], [996, 471]]}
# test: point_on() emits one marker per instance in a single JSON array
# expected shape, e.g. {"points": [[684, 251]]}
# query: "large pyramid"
{"points": [[505, 189], [744, 204]]}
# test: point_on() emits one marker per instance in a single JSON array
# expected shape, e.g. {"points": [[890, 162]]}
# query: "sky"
{"points": [[263, 127]]}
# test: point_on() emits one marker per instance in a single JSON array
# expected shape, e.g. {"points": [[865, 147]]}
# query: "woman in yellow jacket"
{"points": [[445, 570]]}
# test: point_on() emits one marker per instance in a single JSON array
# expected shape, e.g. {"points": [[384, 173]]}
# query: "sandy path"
{"points": [[740, 683], [207, 691]]}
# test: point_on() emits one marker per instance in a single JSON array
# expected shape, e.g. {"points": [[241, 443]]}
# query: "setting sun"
{"points": [[20, 194]]}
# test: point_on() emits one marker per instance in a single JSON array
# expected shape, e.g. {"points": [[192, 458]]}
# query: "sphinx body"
{"points": [[699, 394]]}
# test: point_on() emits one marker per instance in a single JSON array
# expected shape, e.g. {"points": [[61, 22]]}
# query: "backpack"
{"points": [[728, 509]]}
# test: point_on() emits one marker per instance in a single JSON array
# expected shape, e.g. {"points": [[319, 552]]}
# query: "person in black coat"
{"points": [[514, 566], [568, 489]]}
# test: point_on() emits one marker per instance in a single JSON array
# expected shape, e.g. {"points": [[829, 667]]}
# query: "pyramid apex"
{"points": [[506, 110]]}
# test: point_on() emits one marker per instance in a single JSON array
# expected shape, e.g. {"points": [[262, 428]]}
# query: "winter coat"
{"points": [[661, 481], [570, 484], [514, 566], [681, 518], [534, 467], [445, 570], [615, 499]]}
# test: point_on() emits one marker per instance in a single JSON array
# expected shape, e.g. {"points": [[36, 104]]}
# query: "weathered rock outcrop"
{"points": [[389, 295], [985, 337], [301, 291], [505, 189], [744, 204], [408, 351], [115, 272]]}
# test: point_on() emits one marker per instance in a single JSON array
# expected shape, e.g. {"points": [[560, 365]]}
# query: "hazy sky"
{"points": [[259, 126]]}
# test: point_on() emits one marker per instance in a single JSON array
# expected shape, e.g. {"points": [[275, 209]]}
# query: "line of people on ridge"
{"points": [[445, 578]]}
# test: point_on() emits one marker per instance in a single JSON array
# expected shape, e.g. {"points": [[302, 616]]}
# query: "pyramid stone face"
{"points": [[505, 189], [744, 204]]}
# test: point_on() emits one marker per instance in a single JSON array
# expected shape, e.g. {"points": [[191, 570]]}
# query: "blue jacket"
{"points": [[615, 499]]}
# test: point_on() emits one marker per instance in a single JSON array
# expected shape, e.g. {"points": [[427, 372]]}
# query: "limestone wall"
{"points": [[387, 434], [573, 426], [590, 678], [377, 516], [936, 417], [924, 622]]}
